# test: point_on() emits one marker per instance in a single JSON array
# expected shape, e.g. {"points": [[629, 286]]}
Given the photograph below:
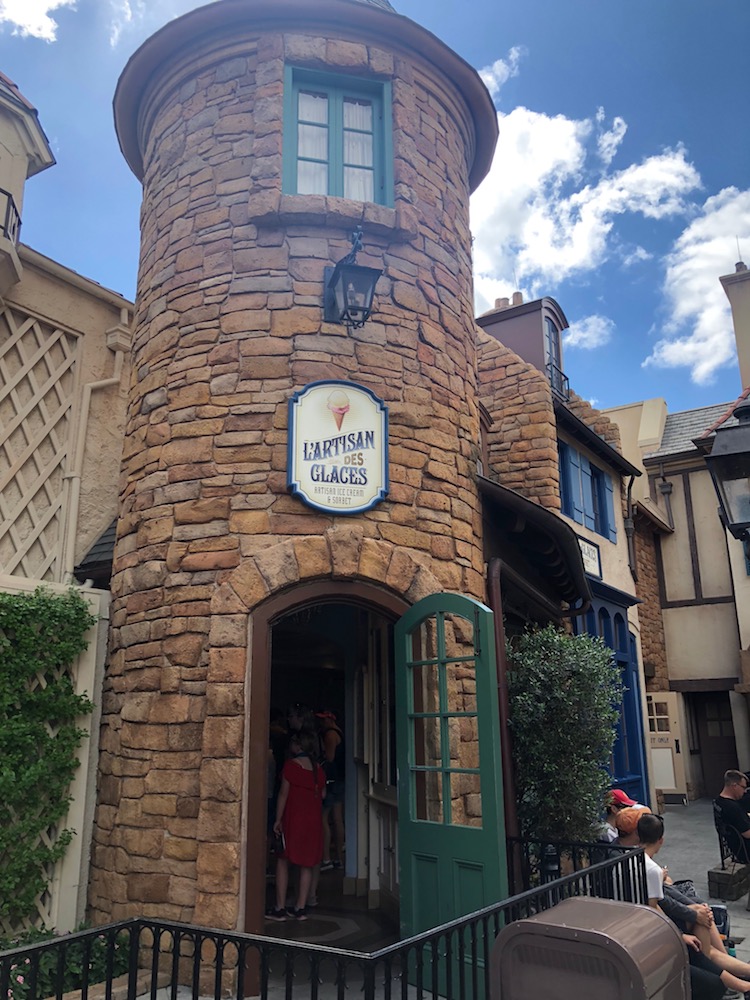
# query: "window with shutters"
{"points": [[586, 492]]}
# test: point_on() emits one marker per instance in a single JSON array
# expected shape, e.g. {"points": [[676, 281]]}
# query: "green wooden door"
{"points": [[450, 816]]}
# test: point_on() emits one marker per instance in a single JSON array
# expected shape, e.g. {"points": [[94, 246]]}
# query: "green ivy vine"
{"points": [[41, 634]]}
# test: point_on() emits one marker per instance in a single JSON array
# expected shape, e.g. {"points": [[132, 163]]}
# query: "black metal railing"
{"points": [[533, 862], [558, 380], [139, 957], [10, 219]]}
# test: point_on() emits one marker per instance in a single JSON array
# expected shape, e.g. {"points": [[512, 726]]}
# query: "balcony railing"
{"points": [[9, 217], [559, 381], [137, 958]]}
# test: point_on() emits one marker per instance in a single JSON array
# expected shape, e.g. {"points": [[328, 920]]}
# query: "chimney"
{"points": [[737, 289], [517, 298], [502, 303]]}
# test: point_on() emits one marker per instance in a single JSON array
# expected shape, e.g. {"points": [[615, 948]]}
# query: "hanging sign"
{"points": [[592, 559], [338, 447]]}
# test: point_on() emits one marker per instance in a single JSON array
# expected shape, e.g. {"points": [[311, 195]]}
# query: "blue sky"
{"points": [[620, 185]]}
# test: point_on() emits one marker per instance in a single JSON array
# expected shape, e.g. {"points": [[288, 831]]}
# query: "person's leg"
{"points": [[337, 814], [312, 899], [326, 836], [282, 881], [305, 879], [704, 985]]}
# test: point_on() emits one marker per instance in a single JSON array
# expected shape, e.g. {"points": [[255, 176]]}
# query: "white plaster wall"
{"points": [[701, 642], [710, 538], [675, 548]]}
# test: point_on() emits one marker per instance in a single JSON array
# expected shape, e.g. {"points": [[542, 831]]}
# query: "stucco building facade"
{"points": [[64, 361]]}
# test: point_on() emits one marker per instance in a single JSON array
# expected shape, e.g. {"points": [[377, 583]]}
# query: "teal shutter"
{"points": [[610, 502], [574, 480], [587, 495]]}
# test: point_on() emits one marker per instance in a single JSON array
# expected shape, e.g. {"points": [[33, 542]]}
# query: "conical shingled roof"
{"points": [[383, 4]]}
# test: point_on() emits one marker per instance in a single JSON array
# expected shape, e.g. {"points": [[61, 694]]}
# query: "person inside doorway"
{"points": [[730, 811], [333, 759], [298, 823]]}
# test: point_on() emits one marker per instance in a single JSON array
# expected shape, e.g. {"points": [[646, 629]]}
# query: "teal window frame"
{"points": [[586, 492], [338, 86]]}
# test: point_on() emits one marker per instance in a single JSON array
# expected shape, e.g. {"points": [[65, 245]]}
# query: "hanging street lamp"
{"points": [[729, 465], [349, 288]]}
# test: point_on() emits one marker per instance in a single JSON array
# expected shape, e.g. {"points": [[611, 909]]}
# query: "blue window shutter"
{"points": [[574, 480], [609, 499], [587, 484]]}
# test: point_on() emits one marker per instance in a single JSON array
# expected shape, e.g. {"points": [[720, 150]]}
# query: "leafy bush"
{"points": [[565, 692], [41, 634]]}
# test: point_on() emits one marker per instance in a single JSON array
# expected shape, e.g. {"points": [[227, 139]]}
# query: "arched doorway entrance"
{"points": [[329, 645]]}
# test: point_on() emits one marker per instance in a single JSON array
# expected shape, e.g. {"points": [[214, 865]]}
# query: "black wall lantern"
{"points": [[729, 465], [349, 288]]}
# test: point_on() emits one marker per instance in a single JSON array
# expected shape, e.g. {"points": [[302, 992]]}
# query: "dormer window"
{"points": [[553, 359]]}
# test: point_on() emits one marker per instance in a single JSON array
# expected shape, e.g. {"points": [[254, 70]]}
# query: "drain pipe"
{"points": [[118, 340], [630, 531], [512, 828]]}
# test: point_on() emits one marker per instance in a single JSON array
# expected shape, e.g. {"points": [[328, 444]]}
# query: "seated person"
{"points": [[731, 810], [616, 800], [701, 953]]}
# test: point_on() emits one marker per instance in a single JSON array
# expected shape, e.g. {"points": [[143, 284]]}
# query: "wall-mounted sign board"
{"points": [[338, 447]]}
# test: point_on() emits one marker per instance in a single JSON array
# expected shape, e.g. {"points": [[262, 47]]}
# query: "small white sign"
{"points": [[338, 447], [592, 560]]}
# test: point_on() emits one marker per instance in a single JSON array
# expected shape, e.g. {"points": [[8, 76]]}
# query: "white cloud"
{"points": [[699, 333], [590, 332], [546, 213], [608, 141], [32, 17], [501, 71], [135, 20]]}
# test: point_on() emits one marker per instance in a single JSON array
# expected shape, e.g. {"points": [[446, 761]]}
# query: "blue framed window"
{"points": [[586, 492], [337, 136]]}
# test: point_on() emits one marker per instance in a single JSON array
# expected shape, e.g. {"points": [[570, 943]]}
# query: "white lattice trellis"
{"points": [[37, 365]]}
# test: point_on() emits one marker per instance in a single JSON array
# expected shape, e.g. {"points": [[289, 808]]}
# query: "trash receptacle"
{"points": [[594, 948]]}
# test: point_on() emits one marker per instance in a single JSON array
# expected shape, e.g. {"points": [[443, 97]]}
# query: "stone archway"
{"points": [[341, 563]]}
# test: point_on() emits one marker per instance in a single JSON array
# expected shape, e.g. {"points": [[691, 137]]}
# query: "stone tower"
{"points": [[220, 114]]}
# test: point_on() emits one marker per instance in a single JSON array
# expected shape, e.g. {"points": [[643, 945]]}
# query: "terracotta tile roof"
{"points": [[12, 88]]}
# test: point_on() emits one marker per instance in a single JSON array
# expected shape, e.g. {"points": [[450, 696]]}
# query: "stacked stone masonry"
{"points": [[649, 611], [522, 440], [228, 325]]}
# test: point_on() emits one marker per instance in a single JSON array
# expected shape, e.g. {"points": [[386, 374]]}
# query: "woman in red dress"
{"points": [[299, 812]]}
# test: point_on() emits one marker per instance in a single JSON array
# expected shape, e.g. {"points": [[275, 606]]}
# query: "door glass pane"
{"points": [[466, 799], [461, 686], [426, 688], [424, 641], [359, 184], [428, 796], [312, 142], [427, 748], [312, 178], [313, 107], [463, 734], [663, 725]]}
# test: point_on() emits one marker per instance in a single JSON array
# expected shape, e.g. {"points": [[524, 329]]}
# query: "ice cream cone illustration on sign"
{"points": [[338, 404]]}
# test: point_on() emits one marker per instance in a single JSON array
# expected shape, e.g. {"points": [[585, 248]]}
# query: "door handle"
{"points": [[676, 746]]}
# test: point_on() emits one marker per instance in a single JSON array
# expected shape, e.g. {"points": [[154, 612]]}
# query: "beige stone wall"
{"points": [[228, 325], [522, 441]]}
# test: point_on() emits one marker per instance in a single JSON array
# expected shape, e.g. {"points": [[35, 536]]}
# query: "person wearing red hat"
{"points": [[616, 800]]}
